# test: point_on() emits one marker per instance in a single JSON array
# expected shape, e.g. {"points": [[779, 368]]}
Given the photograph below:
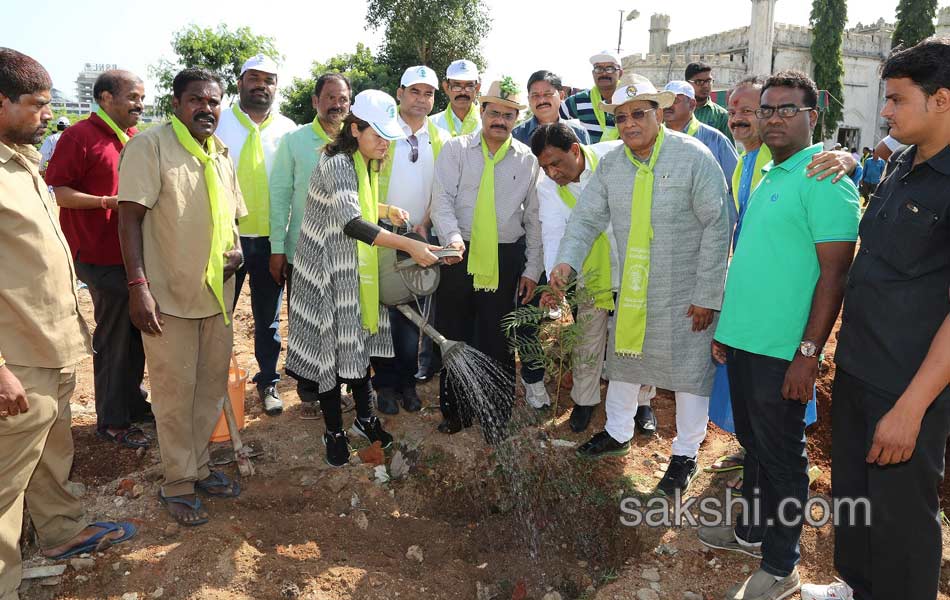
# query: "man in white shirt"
{"points": [[462, 85], [252, 132], [406, 181], [49, 144]]}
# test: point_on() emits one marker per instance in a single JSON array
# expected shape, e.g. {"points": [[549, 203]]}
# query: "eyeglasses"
{"points": [[609, 70], [786, 111], [458, 87], [542, 95], [637, 115], [494, 114], [745, 112], [703, 82], [413, 148]]}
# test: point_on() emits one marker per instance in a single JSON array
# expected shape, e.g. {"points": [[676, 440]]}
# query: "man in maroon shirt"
{"points": [[84, 176]]}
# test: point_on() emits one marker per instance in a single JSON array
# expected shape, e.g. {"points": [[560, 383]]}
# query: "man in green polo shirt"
{"points": [[699, 75], [783, 293], [289, 181]]}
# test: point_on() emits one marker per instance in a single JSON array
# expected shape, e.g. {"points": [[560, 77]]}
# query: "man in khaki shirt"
{"points": [[42, 338], [166, 217]]}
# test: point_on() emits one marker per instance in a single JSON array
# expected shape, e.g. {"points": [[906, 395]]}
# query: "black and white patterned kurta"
{"points": [[327, 338]]}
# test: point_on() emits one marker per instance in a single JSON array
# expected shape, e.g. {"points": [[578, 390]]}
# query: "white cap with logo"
{"points": [[605, 56], [419, 74], [462, 70], [642, 89], [379, 110], [260, 62], [63, 121], [681, 87]]}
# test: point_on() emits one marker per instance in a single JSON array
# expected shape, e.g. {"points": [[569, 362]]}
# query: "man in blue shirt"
{"points": [[545, 95], [873, 170]]}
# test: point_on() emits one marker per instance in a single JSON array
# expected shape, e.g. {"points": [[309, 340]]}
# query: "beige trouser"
{"points": [[36, 455], [188, 374], [588, 354]]}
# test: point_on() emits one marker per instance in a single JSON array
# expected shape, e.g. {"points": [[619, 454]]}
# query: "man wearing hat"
{"points": [[85, 178], [680, 117], [252, 131], [486, 206], [289, 180], [586, 105], [462, 85], [405, 181], [49, 144], [665, 198]]}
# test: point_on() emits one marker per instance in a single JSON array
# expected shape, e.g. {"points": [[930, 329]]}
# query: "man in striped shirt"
{"points": [[585, 105]]}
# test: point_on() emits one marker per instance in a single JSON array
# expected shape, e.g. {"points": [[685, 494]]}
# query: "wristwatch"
{"points": [[808, 349]]}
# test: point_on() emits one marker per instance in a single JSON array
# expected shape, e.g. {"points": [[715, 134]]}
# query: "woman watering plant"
{"points": [[338, 320]]}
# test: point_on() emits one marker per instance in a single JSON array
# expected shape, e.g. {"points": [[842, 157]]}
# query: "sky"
{"points": [[525, 36]]}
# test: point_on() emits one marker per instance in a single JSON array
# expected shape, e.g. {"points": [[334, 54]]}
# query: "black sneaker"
{"points": [[387, 401], [373, 431], [410, 399], [645, 420], [678, 476], [580, 418], [602, 445], [338, 448]]}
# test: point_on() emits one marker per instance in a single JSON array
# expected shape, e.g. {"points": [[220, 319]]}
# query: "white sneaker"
{"points": [[838, 590], [536, 394]]}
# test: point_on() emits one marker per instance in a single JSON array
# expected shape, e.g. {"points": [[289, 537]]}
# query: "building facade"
{"points": [[87, 78]]}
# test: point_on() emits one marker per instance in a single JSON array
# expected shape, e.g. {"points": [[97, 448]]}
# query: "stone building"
{"points": [[765, 46]]}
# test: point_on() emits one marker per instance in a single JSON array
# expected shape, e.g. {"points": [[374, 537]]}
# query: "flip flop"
{"points": [[194, 506], [310, 411], [217, 479], [122, 437], [98, 541], [727, 462]]}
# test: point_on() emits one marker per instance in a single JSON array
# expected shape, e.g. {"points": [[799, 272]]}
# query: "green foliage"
{"points": [[429, 32], [827, 21], [363, 71], [221, 50], [915, 22]]}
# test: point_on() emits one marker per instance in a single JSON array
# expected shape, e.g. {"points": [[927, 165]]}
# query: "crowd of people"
{"points": [[715, 246]]}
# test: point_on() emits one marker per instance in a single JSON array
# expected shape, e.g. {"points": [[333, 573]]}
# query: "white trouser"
{"points": [[588, 355], [692, 415]]}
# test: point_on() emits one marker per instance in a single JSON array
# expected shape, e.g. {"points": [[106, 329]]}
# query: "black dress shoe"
{"points": [[387, 401], [410, 399], [450, 425], [580, 417], [645, 420], [602, 445]]}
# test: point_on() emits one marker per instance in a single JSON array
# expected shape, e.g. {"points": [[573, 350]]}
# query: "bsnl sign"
{"points": [[100, 67]]}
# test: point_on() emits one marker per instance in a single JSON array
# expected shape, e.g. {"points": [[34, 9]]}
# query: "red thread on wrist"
{"points": [[138, 282]]}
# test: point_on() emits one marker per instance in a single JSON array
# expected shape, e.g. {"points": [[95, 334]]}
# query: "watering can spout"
{"points": [[449, 347]]}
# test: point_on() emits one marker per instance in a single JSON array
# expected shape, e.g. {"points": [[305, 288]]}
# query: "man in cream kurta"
{"points": [[688, 252]]}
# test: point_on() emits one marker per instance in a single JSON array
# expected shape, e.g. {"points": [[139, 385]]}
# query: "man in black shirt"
{"points": [[891, 401]]}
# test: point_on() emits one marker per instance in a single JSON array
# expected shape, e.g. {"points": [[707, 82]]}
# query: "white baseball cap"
{"points": [[419, 74], [260, 62], [641, 90], [681, 87], [379, 110], [63, 121], [605, 56], [462, 70]]}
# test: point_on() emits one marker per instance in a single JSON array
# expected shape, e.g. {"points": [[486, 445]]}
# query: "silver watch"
{"points": [[808, 348]]}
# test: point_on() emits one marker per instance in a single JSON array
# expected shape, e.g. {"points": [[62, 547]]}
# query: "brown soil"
{"points": [[297, 531]]}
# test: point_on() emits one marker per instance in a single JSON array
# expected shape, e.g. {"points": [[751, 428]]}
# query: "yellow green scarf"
{"points": [[387, 172], [610, 133], [483, 249], [469, 123], [252, 175], [318, 129], [597, 273], [123, 136], [222, 237], [631, 322], [693, 126], [761, 159], [367, 255]]}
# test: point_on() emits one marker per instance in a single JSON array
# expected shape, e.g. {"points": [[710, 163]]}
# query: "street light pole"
{"points": [[633, 14]]}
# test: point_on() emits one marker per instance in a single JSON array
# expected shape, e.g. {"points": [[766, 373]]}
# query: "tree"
{"points": [[220, 50], [827, 22], [363, 71], [429, 32], [915, 22]]}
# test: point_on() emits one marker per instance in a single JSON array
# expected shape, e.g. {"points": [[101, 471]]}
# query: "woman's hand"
{"points": [[422, 253]]}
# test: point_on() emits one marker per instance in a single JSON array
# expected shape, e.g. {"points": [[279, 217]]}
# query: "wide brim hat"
{"points": [[504, 92], [641, 90], [379, 110]]}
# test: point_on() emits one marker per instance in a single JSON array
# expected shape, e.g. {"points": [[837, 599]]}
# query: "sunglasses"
{"points": [[413, 148], [637, 115]]}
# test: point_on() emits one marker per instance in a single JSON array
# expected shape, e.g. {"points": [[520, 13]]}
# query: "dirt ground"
{"points": [[303, 530]]}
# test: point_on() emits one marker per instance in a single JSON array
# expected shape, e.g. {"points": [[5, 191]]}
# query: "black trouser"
{"points": [[331, 401], [898, 556], [771, 428], [474, 317], [119, 360], [532, 373]]}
